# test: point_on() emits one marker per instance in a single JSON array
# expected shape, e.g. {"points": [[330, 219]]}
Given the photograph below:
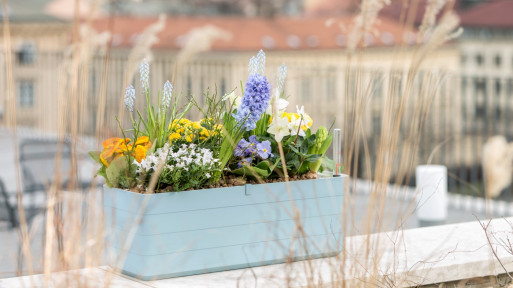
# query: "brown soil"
{"points": [[233, 180]]}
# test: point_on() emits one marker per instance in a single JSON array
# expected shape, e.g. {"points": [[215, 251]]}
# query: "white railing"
{"points": [[466, 109]]}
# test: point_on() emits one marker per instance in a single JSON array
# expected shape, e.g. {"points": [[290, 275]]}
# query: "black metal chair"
{"points": [[11, 210], [39, 160]]}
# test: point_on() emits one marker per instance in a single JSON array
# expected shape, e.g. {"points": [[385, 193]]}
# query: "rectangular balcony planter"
{"points": [[156, 236]]}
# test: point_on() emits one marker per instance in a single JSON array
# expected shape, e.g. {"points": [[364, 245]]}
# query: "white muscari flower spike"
{"points": [[260, 59], [252, 67], [257, 64], [144, 73], [282, 75], [166, 95], [130, 98]]}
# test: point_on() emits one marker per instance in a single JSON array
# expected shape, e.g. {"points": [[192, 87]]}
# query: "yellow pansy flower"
{"points": [[205, 133], [196, 125], [174, 136], [184, 121]]}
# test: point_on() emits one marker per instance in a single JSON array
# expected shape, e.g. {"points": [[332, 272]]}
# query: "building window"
{"points": [[498, 87], [26, 54], [223, 86], [189, 84], [479, 59], [26, 93], [330, 83], [498, 60]]}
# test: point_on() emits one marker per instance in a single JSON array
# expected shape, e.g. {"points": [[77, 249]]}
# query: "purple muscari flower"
{"points": [[256, 99], [263, 150], [244, 162]]}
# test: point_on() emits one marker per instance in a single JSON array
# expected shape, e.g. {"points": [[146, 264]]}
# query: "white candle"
{"points": [[431, 193]]}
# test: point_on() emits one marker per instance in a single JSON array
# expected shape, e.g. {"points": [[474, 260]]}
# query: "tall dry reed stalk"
{"points": [[63, 222], [11, 122], [398, 95]]}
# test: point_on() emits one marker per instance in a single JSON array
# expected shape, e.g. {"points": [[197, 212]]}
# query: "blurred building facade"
{"points": [[33, 34], [315, 50], [487, 54]]}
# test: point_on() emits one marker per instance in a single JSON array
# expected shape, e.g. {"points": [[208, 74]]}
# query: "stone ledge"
{"points": [[406, 258]]}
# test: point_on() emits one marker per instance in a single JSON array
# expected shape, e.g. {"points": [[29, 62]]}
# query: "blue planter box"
{"points": [[155, 236]]}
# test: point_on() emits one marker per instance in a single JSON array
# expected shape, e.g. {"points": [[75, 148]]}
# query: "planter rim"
{"points": [[217, 188], [167, 193]]}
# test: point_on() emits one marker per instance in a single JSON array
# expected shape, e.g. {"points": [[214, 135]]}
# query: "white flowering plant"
{"points": [[243, 138], [183, 167]]}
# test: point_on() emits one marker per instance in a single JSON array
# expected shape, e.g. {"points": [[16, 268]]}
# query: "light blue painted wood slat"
{"points": [[224, 236], [226, 258], [174, 201], [211, 230], [222, 216], [219, 197], [305, 189]]}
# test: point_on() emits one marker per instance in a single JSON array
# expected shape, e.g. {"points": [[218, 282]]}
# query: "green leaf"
{"points": [[95, 155], [325, 144], [294, 149], [312, 158], [117, 169], [264, 165], [271, 168], [328, 163], [251, 172], [103, 173], [304, 168], [304, 146]]}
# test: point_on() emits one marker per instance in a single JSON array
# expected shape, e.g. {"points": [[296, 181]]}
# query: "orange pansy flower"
{"points": [[115, 147], [112, 148]]}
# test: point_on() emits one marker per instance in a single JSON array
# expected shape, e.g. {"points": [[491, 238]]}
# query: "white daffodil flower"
{"points": [[294, 126], [279, 128], [307, 120]]}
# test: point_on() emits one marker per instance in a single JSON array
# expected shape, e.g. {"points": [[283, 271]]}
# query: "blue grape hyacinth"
{"points": [[257, 94], [256, 99]]}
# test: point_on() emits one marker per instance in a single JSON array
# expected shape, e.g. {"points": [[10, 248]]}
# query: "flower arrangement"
{"points": [[240, 139]]}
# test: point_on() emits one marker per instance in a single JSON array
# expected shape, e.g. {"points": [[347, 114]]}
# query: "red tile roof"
{"points": [[249, 34], [397, 7], [490, 14], [331, 7]]}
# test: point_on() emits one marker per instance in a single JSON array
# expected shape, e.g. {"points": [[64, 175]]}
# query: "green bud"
{"points": [[320, 136]]}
